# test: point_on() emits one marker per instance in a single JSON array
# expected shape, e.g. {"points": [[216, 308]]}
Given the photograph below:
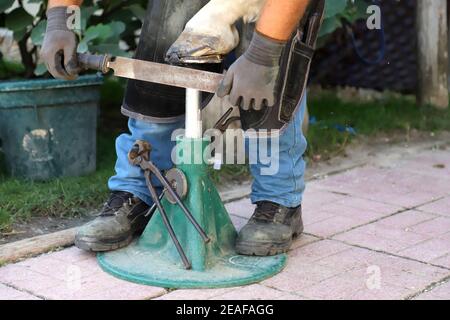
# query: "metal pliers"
{"points": [[139, 155]]}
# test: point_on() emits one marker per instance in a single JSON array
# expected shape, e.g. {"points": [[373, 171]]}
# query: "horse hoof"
{"points": [[195, 48]]}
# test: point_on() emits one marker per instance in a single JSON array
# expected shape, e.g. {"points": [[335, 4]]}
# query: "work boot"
{"points": [[270, 230], [122, 216]]}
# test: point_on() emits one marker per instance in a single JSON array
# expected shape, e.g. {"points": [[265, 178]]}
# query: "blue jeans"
{"points": [[285, 187]]}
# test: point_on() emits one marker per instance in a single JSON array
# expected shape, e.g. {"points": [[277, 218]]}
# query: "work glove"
{"points": [[59, 48], [250, 81]]}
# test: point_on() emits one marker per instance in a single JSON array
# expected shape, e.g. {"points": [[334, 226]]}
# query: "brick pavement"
{"points": [[370, 233]]}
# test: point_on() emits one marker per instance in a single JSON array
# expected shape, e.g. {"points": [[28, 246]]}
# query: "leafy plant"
{"points": [[107, 26], [336, 10], [110, 26]]}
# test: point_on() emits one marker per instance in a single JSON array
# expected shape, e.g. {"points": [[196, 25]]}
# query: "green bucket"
{"points": [[48, 126]]}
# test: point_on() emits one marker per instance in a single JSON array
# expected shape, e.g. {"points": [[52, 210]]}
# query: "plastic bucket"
{"points": [[48, 126]]}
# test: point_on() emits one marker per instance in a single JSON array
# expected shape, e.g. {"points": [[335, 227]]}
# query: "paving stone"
{"points": [[344, 214], [290, 296], [361, 208], [251, 292], [99, 287], [316, 250], [362, 182], [344, 261], [335, 288], [303, 240], [425, 181], [89, 267], [420, 269], [128, 291], [194, 294], [72, 255], [440, 292], [406, 200], [390, 292], [238, 222], [55, 279], [8, 293], [333, 225], [302, 271], [25, 279], [76, 290], [406, 219], [371, 239], [380, 279], [435, 227], [46, 265], [384, 235], [296, 277], [391, 186], [12, 272], [315, 199], [403, 235], [427, 251], [242, 208], [330, 270], [314, 216], [36, 285], [442, 261], [441, 207]]}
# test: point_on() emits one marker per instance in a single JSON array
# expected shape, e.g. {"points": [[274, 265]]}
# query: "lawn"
{"points": [[21, 199], [335, 123]]}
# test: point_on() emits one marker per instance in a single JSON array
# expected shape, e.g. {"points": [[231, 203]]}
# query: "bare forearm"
{"points": [[64, 3], [280, 17]]}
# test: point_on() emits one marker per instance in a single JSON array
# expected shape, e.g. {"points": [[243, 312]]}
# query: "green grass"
{"points": [[229, 172], [21, 199], [367, 119]]}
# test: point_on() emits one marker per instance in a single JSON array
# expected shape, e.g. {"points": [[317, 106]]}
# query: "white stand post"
{"points": [[193, 115]]}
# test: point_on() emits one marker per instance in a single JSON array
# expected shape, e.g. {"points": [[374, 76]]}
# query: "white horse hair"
{"points": [[214, 27]]}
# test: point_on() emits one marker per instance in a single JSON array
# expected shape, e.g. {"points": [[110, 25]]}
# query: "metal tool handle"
{"points": [[93, 62], [166, 221]]}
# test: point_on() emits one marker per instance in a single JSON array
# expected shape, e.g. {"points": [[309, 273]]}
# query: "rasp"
{"points": [[152, 72]]}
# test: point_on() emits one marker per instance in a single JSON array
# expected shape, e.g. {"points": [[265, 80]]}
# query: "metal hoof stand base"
{"points": [[141, 265], [154, 260]]}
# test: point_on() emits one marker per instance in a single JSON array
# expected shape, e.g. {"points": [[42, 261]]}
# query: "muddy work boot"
{"points": [[270, 230], [122, 216]]}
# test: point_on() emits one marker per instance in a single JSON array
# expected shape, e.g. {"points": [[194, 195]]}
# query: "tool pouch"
{"points": [[293, 76], [163, 23]]}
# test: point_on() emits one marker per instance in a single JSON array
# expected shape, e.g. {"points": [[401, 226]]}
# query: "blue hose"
{"points": [[382, 52]]}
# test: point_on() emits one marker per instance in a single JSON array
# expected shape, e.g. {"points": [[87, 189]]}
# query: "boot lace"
{"points": [[114, 203], [265, 211]]}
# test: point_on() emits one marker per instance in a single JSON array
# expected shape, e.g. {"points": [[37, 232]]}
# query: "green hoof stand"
{"points": [[153, 259]]}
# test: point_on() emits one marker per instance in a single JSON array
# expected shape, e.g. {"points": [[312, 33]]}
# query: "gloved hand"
{"points": [[59, 49], [251, 79]]}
